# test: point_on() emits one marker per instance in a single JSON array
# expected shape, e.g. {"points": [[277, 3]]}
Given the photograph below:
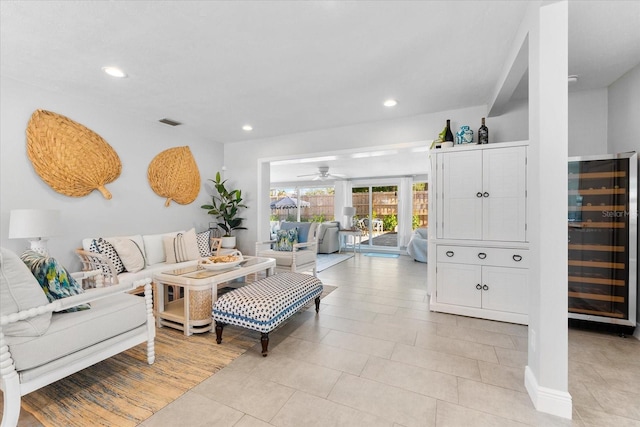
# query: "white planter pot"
{"points": [[229, 242]]}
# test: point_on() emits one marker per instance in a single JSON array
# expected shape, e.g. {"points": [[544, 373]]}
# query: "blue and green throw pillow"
{"points": [[285, 239], [54, 279]]}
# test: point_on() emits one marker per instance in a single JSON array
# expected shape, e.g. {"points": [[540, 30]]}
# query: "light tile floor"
{"points": [[376, 356]]}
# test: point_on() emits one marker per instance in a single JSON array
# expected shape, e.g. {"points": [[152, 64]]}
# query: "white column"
{"points": [[546, 375]]}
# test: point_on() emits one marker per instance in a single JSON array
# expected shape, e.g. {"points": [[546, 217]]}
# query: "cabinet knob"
{"points": [[478, 286], [485, 194], [485, 288], [482, 255], [517, 258], [478, 194], [449, 254]]}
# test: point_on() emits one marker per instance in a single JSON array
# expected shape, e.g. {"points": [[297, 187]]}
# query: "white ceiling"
{"points": [[287, 67]]}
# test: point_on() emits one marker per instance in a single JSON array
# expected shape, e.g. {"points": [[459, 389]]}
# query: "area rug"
{"points": [[381, 255], [324, 261], [124, 390]]}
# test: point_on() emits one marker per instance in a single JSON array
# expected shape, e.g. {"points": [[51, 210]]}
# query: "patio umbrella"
{"points": [[288, 203]]}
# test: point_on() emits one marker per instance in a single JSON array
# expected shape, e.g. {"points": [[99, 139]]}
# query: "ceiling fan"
{"points": [[323, 174]]}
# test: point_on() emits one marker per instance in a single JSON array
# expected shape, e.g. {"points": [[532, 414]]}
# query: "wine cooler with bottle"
{"points": [[603, 236]]}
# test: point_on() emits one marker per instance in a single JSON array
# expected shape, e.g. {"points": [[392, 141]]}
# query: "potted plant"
{"points": [[224, 206]]}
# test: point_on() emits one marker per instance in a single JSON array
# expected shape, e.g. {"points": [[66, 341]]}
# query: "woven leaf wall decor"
{"points": [[71, 158], [174, 174]]}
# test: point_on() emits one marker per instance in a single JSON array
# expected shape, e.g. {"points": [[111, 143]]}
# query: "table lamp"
{"points": [[35, 225], [349, 212]]}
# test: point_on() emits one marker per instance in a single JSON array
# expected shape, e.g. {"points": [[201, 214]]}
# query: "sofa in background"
{"points": [[417, 247], [328, 237], [40, 344], [135, 257], [292, 255]]}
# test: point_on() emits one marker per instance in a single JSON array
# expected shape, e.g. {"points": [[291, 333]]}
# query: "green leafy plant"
{"points": [[225, 206], [389, 222]]}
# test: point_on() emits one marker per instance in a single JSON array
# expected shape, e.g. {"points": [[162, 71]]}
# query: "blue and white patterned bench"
{"points": [[261, 306]]}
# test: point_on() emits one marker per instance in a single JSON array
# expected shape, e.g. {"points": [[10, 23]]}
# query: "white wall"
{"points": [[624, 112], [243, 159], [134, 208], [588, 122]]}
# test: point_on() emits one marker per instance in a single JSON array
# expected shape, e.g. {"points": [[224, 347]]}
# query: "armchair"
{"points": [[40, 344], [417, 247], [303, 255]]}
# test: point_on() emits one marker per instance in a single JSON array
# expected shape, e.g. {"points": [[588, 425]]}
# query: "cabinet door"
{"points": [[505, 289], [462, 182], [457, 284], [504, 194]]}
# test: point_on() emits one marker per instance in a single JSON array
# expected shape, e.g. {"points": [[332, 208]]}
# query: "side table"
{"points": [[356, 235]]}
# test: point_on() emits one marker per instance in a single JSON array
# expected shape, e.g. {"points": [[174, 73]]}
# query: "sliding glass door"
{"points": [[377, 214]]}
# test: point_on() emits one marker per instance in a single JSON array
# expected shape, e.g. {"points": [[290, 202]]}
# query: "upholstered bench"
{"points": [[263, 305]]}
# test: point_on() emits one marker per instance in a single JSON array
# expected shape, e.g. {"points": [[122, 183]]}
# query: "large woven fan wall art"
{"points": [[69, 157], [174, 174]]}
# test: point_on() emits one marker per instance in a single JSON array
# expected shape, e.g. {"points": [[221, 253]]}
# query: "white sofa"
{"points": [[328, 237], [152, 248], [39, 344]]}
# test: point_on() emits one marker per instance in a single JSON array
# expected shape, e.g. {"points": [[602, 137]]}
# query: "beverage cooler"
{"points": [[603, 238]]}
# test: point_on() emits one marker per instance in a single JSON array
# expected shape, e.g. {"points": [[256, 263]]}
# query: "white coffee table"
{"points": [[200, 292]]}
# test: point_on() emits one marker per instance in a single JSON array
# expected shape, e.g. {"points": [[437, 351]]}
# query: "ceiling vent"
{"points": [[169, 122]]}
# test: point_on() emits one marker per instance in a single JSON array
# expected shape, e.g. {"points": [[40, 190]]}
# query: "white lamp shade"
{"points": [[348, 211], [34, 223]]}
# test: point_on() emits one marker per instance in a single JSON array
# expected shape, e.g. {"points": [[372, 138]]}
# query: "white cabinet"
{"points": [[482, 194], [478, 258]]}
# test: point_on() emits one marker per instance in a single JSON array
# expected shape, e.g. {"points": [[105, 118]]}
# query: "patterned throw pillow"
{"points": [[55, 280], [285, 239], [107, 249], [203, 239]]}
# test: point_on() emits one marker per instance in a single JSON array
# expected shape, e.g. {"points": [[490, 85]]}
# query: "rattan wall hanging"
{"points": [[174, 174], [71, 158]]}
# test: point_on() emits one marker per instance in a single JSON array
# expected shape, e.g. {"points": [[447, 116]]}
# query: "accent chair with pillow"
{"points": [[51, 328], [294, 248]]}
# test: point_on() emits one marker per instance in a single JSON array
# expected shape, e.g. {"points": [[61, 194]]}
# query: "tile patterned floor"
{"points": [[376, 356]]}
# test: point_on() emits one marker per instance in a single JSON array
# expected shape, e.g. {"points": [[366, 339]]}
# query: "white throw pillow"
{"points": [[154, 248], [182, 247], [129, 252]]}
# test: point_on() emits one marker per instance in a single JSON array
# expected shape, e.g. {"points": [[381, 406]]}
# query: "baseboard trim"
{"points": [[548, 400]]}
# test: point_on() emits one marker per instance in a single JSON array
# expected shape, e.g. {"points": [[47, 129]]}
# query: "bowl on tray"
{"points": [[222, 262]]}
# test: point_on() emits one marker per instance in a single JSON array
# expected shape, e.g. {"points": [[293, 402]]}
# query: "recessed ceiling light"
{"points": [[247, 128], [572, 78], [390, 103], [114, 72]]}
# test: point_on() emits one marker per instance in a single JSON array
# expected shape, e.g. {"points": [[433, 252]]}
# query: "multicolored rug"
{"points": [[124, 390]]}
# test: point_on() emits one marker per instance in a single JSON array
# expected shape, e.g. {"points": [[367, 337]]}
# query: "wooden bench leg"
{"points": [[219, 327], [318, 304], [265, 343]]}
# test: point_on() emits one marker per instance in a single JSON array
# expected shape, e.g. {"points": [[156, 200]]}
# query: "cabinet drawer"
{"points": [[476, 255]]}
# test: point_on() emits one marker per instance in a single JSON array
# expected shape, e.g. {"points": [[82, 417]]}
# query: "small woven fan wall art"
{"points": [[71, 158], [174, 174]]}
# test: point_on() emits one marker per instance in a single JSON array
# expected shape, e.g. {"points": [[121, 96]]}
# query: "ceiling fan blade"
{"points": [[309, 174]]}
